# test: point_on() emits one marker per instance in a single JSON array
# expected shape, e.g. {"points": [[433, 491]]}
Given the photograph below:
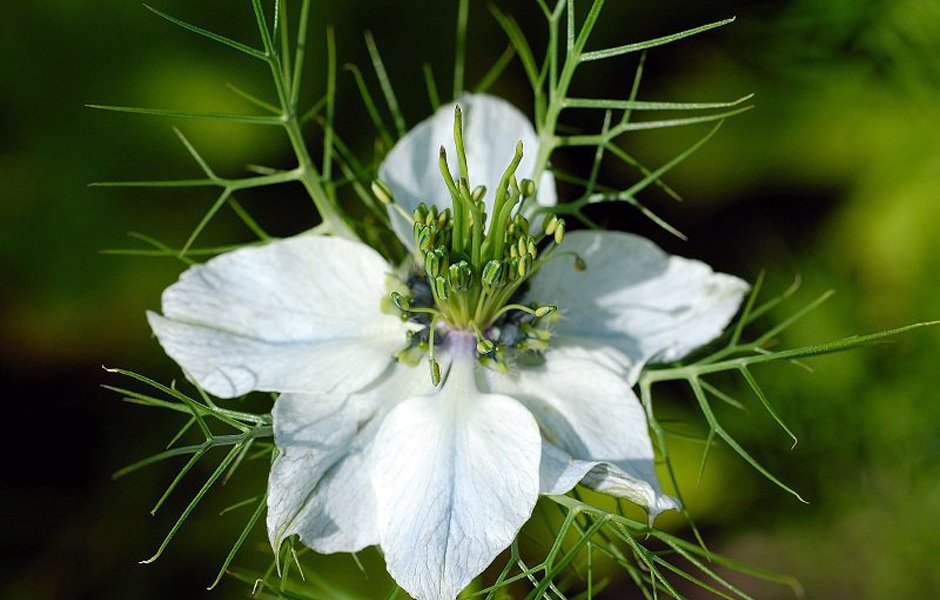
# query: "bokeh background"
{"points": [[834, 178]]}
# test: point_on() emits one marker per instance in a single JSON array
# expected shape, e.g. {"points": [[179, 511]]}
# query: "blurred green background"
{"points": [[834, 177]]}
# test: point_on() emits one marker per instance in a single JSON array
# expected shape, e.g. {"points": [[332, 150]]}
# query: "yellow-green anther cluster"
{"points": [[554, 227], [476, 262]]}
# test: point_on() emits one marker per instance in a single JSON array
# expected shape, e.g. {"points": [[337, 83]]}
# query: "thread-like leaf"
{"points": [[199, 116], [253, 52], [645, 45]]}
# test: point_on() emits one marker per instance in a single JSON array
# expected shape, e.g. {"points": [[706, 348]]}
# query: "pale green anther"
{"points": [[425, 239], [544, 311], [560, 231], [522, 247], [432, 263], [460, 275], [435, 371], [478, 193], [431, 217], [441, 288], [527, 188], [444, 255], [485, 346], [523, 224], [513, 251], [549, 224], [453, 274], [525, 263], [420, 212], [531, 247], [492, 272], [443, 219], [401, 302], [382, 192]]}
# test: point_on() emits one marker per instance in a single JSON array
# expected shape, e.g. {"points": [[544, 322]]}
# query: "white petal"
{"points": [[559, 472], [492, 127], [320, 486], [297, 315], [593, 428], [636, 299], [456, 475]]}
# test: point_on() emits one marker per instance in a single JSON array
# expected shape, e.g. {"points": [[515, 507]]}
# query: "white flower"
{"points": [[442, 477]]}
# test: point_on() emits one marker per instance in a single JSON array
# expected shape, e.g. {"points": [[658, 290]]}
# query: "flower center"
{"points": [[475, 265]]}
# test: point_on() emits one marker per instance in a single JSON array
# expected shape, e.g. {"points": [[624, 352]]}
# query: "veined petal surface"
{"points": [[491, 129], [320, 486], [635, 299], [456, 476], [592, 425], [296, 315]]}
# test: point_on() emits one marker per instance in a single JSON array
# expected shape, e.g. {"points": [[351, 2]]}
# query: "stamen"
{"points": [[435, 372], [541, 311], [492, 273], [432, 361], [484, 345], [559, 232], [460, 276], [402, 303], [441, 288], [385, 196], [382, 192], [476, 264]]}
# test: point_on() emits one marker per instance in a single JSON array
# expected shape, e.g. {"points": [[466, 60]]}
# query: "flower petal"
{"points": [[456, 476], [320, 486], [559, 473], [297, 315], [636, 299], [593, 428], [492, 127]]}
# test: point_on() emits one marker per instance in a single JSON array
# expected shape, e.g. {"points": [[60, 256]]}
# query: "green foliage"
{"points": [[653, 559], [251, 432], [739, 356]]}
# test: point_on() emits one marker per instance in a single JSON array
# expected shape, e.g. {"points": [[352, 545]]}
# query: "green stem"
{"points": [[309, 176], [326, 206]]}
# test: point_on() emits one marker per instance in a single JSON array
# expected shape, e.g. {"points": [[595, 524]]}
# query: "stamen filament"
{"points": [[541, 311]]}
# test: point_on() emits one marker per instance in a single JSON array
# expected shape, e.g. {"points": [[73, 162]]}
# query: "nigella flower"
{"points": [[441, 469]]}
